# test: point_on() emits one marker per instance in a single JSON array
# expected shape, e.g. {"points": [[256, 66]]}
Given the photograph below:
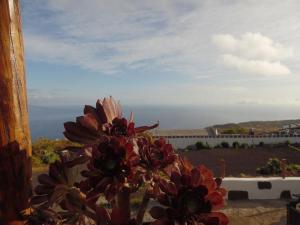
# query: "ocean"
{"points": [[47, 121]]}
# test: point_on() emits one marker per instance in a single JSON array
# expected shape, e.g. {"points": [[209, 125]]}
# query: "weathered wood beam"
{"points": [[14, 124], [15, 170]]}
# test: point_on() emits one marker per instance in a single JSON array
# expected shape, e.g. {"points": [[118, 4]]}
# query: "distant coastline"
{"points": [[47, 121]]}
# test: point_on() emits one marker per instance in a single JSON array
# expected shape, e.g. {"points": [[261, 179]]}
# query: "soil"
{"points": [[253, 212], [240, 161], [256, 212]]}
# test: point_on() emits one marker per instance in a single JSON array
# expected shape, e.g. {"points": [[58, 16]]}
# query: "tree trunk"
{"points": [[14, 124]]}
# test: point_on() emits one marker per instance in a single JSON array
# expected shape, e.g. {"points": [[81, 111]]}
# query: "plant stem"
{"points": [[123, 203], [143, 207], [90, 215]]}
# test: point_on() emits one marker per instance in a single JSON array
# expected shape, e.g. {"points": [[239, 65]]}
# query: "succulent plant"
{"points": [[119, 159]]}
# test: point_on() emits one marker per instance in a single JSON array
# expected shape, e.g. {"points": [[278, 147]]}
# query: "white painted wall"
{"points": [[279, 184], [182, 142]]}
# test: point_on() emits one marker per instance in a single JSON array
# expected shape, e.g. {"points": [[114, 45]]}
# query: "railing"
{"points": [[226, 136]]}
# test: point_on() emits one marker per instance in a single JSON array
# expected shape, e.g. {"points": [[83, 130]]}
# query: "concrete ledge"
{"points": [[277, 185]]}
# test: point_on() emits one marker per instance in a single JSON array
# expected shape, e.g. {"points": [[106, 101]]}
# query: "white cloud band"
{"points": [[253, 53]]}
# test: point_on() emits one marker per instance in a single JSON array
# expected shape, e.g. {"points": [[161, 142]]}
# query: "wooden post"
{"points": [[283, 168], [14, 124], [123, 202], [222, 168]]}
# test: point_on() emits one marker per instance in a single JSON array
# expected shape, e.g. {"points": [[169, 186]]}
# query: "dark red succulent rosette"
{"points": [[15, 181], [105, 119], [157, 155], [94, 123], [119, 158], [120, 127], [56, 187], [43, 216], [49, 183], [191, 196], [112, 165]]}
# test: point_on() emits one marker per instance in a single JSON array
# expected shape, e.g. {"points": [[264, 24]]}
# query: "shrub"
{"points": [[44, 150], [244, 146], [200, 145], [294, 168], [236, 144], [261, 144], [263, 171], [271, 168], [235, 130], [225, 144], [49, 157], [36, 161], [191, 147], [208, 146], [218, 146]]}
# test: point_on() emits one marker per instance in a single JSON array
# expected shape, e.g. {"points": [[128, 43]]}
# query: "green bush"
{"points": [[49, 157], [225, 144], [235, 130], [271, 168], [44, 150], [191, 147], [36, 161], [244, 145], [294, 168], [261, 144], [236, 144], [200, 145], [208, 146]]}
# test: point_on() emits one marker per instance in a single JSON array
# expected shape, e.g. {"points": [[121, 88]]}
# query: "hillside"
{"points": [[259, 126]]}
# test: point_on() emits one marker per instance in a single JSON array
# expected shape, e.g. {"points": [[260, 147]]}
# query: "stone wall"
{"points": [[261, 187], [181, 142]]}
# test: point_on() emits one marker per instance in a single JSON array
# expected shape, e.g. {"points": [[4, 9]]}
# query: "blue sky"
{"points": [[162, 52]]}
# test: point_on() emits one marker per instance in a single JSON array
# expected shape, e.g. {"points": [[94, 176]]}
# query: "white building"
{"points": [[290, 129]]}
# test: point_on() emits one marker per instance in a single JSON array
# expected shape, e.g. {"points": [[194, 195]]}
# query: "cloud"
{"points": [[37, 93], [253, 53], [169, 36], [260, 67], [162, 43], [60, 51], [114, 36], [253, 45]]}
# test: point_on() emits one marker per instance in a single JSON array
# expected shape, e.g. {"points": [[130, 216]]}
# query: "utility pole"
{"points": [[14, 123]]}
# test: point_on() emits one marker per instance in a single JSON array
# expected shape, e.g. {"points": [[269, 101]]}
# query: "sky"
{"points": [[159, 52]]}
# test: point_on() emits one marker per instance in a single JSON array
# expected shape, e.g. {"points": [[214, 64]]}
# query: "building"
{"points": [[290, 129]]}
